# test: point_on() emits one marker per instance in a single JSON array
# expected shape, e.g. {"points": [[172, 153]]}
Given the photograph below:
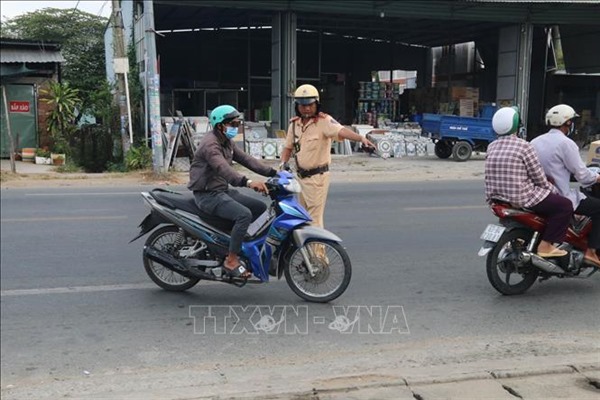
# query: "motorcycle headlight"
{"points": [[293, 186]]}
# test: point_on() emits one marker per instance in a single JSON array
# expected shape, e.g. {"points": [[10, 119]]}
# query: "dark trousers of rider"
{"points": [[558, 211], [233, 206], [591, 206]]}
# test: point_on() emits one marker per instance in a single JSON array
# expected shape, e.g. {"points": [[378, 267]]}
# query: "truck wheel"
{"points": [[462, 151], [443, 149]]}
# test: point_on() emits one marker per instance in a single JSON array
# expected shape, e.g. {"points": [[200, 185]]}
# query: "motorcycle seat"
{"points": [[506, 203], [185, 202]]}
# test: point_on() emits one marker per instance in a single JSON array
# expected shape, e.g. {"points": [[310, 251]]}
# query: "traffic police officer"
{"points": [[308, 139]]}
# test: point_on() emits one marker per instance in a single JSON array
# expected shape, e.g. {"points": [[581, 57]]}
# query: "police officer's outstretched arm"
{"points": [[346, 133]]}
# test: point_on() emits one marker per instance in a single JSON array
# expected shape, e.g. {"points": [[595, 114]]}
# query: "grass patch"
{"points": [[68, 168]]}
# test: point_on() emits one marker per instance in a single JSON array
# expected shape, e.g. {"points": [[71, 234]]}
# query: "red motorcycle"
{"points": [[512, 263]]}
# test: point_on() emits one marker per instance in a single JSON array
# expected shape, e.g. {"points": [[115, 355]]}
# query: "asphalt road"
{"points": [[76, 301]]}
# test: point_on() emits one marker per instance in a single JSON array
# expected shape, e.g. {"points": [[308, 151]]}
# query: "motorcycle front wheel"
{"points": [[166, 239], [506, 270], [333, 271]]}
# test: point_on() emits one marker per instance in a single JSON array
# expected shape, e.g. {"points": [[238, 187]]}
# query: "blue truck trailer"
{"points": [[458, 136]]}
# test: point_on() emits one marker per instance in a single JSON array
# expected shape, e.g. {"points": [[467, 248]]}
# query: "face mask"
{"points": [[231, 132], [571, 129]]}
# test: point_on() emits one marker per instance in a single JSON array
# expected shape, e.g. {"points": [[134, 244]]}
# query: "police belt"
{"points": [[307, 173]]}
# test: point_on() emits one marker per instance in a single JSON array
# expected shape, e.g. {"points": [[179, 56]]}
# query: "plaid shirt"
{"points": [[513, 173]]}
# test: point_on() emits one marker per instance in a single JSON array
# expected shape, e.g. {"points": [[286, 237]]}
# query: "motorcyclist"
{"points": [[211, 178], [560, 159], [513, 174]]}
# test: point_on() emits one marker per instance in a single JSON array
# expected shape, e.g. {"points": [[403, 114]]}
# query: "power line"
{"points": [[75, 9], [102, 8]]}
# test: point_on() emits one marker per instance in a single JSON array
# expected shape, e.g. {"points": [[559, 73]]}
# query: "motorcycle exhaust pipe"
{"points": [[175, 265], [545, 265]]}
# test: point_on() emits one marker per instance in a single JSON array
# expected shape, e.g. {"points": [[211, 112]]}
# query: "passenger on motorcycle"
{"points": [[513, 174], [212, 175], [560, 159]]}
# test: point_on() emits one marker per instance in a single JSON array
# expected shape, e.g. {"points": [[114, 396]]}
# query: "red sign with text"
{"points": [[19, 106]]}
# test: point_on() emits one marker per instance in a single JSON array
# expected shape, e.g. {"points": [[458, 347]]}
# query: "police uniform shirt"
{"points": [[314, 139]]}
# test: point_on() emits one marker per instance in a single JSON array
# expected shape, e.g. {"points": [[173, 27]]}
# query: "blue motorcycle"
{"points": [[191, 245]]}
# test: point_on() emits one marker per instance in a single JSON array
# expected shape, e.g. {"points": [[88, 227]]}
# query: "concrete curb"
{"points": [[413, 384], [410, 382]]}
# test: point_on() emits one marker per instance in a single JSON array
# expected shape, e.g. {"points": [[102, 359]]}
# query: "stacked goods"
{"points": [[377, 101], [405, 140], [267, 148], [467, 99]]}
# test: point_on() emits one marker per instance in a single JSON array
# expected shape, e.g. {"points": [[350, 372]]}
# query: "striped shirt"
{"points": [[513, 173]]}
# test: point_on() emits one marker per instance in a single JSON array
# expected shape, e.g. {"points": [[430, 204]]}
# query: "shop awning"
{"points": [[12, 55]]}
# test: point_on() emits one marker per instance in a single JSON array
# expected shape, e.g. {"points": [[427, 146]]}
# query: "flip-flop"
{"points": [[238, 272], [553, 253]]}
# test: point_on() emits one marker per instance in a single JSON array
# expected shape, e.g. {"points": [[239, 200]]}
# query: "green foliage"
{"points": [[82, 38], [68, 167], [42, 152], [138, 157], [136, 90], [102, 105], [63, 101], [93, 147], [116, 167]]}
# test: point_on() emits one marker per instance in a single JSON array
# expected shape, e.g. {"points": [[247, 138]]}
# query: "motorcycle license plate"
{"points": [[492, 233]]}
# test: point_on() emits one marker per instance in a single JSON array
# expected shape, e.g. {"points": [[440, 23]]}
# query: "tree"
{"points": [[63, 101], [81, 36]]}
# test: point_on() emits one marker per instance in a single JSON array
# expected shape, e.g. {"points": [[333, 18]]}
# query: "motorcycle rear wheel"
{"points": [[334, 271], [503, 263], [164, 239]]}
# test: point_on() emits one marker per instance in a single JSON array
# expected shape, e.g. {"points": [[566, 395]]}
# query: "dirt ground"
{"points": [[356, 168]]}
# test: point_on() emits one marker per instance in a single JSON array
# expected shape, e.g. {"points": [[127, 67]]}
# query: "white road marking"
{"points": [[77, 289], [82, 194], [81, 218], [443, 208]]}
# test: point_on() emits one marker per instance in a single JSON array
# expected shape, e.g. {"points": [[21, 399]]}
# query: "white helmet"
{"points": [[306, 94], [506, 121], [560, 114]]}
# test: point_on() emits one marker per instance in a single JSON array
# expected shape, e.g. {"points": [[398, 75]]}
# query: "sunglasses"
{"points": [[235, 124]]}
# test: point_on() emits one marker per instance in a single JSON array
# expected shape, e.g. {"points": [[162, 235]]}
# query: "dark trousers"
{"points": [[233, 206], [558, 211], [591, 206]]}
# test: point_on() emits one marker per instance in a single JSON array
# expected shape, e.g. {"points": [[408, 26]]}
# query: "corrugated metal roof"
{"points": [[536, 12], [8, 55], [426, 23]]}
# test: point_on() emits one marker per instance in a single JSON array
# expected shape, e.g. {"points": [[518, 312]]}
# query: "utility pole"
{"points": [[11, 144], [153, 88], [119, 55]]}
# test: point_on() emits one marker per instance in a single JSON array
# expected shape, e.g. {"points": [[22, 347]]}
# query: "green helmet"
{"points": [[223, 114]]}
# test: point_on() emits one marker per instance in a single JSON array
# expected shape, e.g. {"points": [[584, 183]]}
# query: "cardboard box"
{"points": [[594, 153], [466, 108]]}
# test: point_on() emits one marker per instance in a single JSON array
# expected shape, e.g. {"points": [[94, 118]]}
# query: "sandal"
{"points": [[238, 272], [553, 253]]}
